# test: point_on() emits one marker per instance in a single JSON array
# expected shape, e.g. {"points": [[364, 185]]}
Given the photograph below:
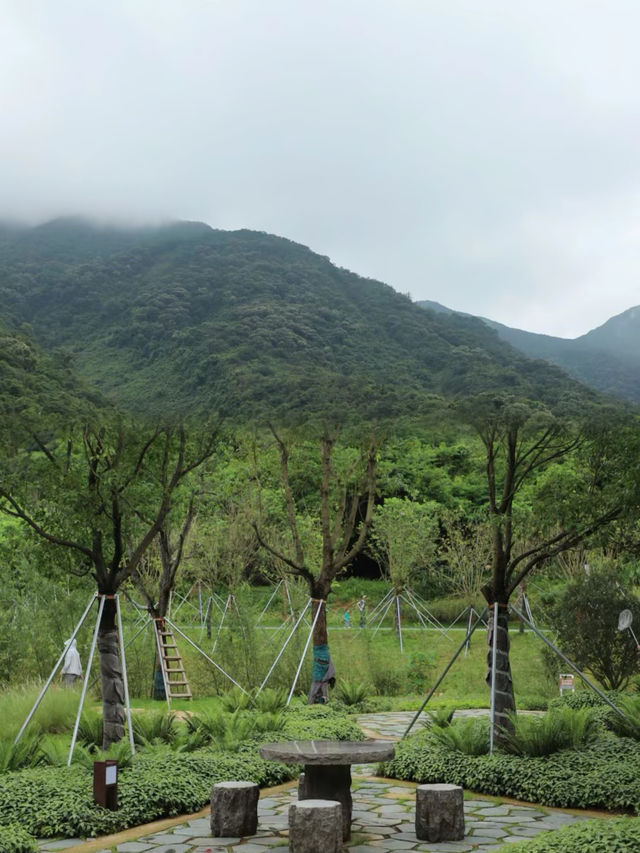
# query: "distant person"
{"points": [[72, 668], [362, 607], [347, 619]]}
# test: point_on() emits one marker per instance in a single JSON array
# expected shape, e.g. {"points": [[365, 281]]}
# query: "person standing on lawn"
{"points": [[72, 667]]}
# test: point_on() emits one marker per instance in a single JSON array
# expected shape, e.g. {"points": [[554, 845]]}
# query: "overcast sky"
{"points": [[484, 154]]}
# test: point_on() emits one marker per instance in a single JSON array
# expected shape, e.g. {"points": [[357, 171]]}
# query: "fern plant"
{"points": [[154, 727], [564, 728], [271, 700], [353, 692], [470, 737], [25, 753]]}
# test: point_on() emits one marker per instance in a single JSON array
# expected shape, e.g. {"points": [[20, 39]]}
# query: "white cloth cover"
{"points": [[72, 664]]}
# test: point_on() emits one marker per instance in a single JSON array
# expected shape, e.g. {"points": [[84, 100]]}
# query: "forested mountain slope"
{"points": [[186, 318], [606, 359]]}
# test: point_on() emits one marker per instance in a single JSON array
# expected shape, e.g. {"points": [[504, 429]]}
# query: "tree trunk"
{"points": [[504, 698], [112, 684], [320, 636]]}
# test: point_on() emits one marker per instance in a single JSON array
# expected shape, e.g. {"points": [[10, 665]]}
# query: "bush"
{"points": [[352, 692], [604, 775], [563, 728], [154, 726], [470, 737], [14, 839], [620, 835], [586, 620]]}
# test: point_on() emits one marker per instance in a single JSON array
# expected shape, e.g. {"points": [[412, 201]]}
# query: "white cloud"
{"points": [[480, 154]]}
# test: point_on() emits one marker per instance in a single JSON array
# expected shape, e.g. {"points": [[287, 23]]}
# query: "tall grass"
{"points": [[56, 713]]}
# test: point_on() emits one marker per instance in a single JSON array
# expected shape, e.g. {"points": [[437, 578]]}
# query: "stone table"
{"points": [[327, 767]]}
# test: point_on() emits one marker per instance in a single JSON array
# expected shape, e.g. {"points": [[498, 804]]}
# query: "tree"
{"points": [[403, 538], [346, 502], [104, 491], [521, 441], [586, 621]]}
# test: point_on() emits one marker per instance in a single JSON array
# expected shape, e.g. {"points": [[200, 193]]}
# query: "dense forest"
{"points": [[187, 319], [606, 358]]}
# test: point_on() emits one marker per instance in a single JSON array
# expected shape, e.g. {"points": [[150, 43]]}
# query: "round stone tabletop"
{"points": [[329, 751]]}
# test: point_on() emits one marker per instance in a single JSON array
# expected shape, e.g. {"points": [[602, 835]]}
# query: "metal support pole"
{"points": [[418, 603], [494, 654], [322, 604], [373, 614], [567, 661], [204, 655], [124, 676], [271, 597], [398, 622], [469, 618], [53, 672], [224, 613], [286, 643], [442, 676], [382, 618], [86, 679]]}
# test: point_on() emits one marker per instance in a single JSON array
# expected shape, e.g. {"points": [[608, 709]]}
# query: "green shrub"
{"points": [[25, 753], [14, 839], [603, 775], [629, 725], [319, 721], [421, 666], [563, 728], [352, 692], [620, 835], [235, 700], [470, 737], [271, 700], [90, 731], [154, 726]]}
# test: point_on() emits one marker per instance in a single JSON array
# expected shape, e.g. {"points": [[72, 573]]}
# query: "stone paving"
{"points": [[383, 818]]}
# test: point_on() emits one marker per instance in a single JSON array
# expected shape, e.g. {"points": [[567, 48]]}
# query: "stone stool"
{"points": [[439, 813], [234, 809], [315, 826]]}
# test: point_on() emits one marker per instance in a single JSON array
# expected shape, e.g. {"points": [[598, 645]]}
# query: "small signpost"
{"points": [[105, 783], [565, 682]]}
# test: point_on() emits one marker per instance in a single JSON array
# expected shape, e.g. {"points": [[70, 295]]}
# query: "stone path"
{"points": [[383, 818]]}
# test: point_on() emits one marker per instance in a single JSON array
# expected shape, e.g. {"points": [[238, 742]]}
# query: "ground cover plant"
{"points": [[618, 835], [162, 780], [604, 774]]}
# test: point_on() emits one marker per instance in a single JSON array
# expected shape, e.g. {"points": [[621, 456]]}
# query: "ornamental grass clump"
{"points": [[25, 753], [563, 728], [154, 727], [469, 737], [353, 692], [629, 725]]}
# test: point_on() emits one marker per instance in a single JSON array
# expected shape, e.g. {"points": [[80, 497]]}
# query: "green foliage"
{"points": [[25, 753], [619, 835], [307, 722], [14, 839], [270, 700], [603, 775], [563, 728], [586, 621], [421, 667], [352, 692], [236, 700], [91, 730], [629, 725], [185, 318], [153, 727], [470, 737]]}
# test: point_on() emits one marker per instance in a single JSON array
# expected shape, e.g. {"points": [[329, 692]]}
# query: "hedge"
{"points": [[605, 775], [618, 835], [58, 801], [14, 839]]}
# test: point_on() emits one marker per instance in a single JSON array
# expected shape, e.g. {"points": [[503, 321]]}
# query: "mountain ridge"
{"points": [[183, 317], [606, 358]]}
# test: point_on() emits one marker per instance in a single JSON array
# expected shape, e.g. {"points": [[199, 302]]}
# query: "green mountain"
{"points": [[606, 359], [185, 318]]}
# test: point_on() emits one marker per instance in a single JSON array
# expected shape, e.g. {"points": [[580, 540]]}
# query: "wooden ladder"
{"points": [[173, 672]]}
